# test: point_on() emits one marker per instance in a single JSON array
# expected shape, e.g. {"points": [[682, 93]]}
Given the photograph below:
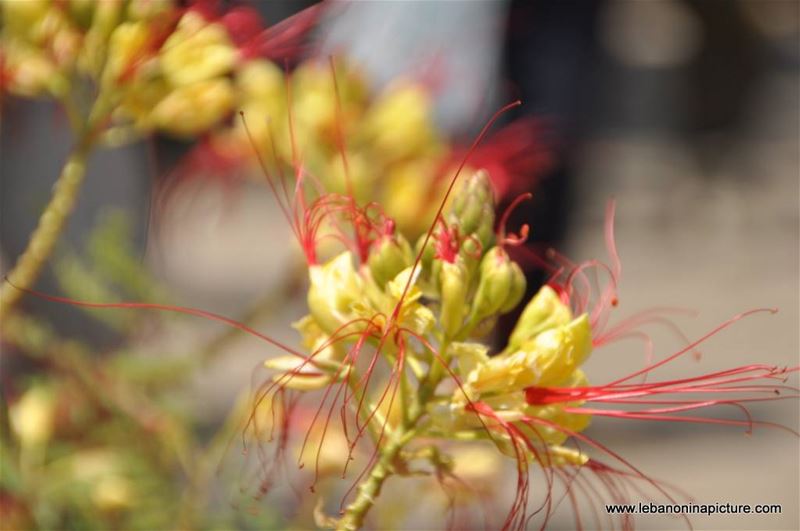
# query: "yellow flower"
{"points": [[319, 113], [191, 109], [197, 50], [260, 86], [32, 416], [378, 305], [335, 287], [543, 312], [112, 493], [547, 358], [323, 364], [24, 19], [400, 123], [125, 48], [30, 73]]}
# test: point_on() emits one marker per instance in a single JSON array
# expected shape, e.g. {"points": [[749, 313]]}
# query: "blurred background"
{"points": [[686, 113]]}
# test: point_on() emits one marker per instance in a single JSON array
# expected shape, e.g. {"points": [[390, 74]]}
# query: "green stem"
{"points": [[370, 488], [51, 225]]}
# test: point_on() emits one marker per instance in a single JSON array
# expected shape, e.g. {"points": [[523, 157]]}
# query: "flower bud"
{"points": [[473, 205], [124, 49], [501, 286], [516, 290], [454, 281], [429, 281], [544, 311], [389, 255]]}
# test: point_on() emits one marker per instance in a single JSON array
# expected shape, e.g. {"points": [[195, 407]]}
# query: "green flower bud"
{"points": [[454, 281], [517, 290], [485, 233], [471, 251], [473, 204], [388, 256], [427, 279], [499, 286], [543, 312]]}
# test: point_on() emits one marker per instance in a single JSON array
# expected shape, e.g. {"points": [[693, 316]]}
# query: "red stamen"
{"points": [[512, 240]]}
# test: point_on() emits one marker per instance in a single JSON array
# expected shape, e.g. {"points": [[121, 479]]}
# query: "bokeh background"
{"points": [[684, 112]]}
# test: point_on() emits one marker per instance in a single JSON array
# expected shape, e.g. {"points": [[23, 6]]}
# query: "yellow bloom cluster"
{"points": [[159, 67], [547, 348], [382, 147], [184, 89], [45, 43], [344, 304], [434, 314]]}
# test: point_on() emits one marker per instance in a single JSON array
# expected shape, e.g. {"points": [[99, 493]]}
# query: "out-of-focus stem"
{"points": [[54, 217], [115, 395]]}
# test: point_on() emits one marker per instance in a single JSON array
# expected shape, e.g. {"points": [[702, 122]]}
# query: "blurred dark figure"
{"points": [[688, 70], [550, 57]]}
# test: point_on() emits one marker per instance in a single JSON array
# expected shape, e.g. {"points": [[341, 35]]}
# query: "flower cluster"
{"points": [[379, 146], [155, 61], [462, 283], [418, 320], [395, 343]]}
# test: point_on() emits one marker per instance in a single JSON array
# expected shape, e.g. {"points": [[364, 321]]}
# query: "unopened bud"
{"points": [[125, 49], [516, 290], [454, 281], [501, 285], [429, 281], [389, 255], [473, 204]]}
